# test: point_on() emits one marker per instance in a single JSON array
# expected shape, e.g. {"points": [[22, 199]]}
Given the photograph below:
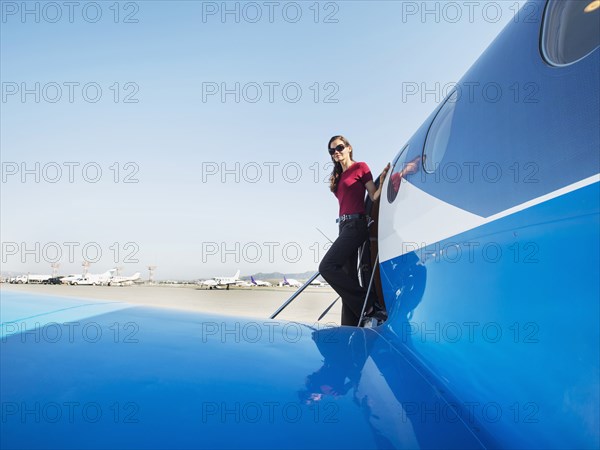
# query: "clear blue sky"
{"points": [[180, 215]]}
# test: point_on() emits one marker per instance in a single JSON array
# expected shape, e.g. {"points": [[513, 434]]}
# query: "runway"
{"points": [[241, 302]]}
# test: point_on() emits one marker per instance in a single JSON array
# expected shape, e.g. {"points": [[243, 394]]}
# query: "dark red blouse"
{"points": [[351, 188]]}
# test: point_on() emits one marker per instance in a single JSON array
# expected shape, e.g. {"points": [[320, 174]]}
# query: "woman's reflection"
{"points": [[342, 365]]}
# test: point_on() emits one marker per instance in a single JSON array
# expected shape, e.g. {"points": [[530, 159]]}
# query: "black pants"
{"points": [[338, 268]]}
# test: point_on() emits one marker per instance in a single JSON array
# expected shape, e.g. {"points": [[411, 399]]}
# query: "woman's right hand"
{"points": [[383, 174]]}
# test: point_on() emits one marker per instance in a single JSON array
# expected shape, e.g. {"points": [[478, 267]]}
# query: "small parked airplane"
{"points": [[259, 282], [218, 282], [290, 282], [124, 281]]}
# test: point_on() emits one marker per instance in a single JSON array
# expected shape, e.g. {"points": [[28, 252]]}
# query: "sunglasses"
{"points": [[340, 148]]}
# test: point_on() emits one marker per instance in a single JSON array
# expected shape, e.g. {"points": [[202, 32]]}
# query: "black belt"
{"points": [[350, 216]]}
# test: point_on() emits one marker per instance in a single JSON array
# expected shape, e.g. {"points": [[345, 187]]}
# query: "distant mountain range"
{"points": [[278, 276]]}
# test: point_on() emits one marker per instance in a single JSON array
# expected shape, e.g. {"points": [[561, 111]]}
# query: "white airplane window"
{"points": [[571, 30], [438, 136], [396, 176]]}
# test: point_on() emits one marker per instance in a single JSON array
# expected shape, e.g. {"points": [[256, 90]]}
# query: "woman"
{"points": [[348, 182]]}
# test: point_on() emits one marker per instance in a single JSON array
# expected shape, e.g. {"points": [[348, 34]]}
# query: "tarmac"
{"points": [[256, 302]]}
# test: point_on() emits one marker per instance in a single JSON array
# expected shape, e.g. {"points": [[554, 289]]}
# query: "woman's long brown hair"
{"points": [[337, 167]]}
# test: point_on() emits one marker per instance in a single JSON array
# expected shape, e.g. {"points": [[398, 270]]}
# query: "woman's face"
{"points": [[342, 151]]}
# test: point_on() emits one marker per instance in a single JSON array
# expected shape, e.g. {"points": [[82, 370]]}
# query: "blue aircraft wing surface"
{"points": [[22, 312], [140, 377]]}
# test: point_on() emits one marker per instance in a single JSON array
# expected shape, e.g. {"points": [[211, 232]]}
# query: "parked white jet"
{"points": [[259, 282], [81, 281], [124, 281], [290, 282], [208, 283], [218, 282]]}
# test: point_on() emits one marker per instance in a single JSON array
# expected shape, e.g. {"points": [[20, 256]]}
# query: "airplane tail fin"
{"points": [[237, 275], [252, 279]]}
